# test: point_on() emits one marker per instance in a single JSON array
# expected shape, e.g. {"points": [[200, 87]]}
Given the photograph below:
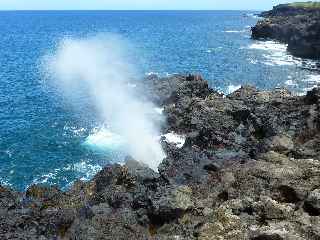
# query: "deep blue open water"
{"points": [[41, 137]]}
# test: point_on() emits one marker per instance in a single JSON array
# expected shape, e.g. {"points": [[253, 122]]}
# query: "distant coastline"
{"points": [[295, 24]]}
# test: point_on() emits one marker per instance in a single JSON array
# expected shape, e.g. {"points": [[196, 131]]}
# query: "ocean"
{"points": [[43, 139]]}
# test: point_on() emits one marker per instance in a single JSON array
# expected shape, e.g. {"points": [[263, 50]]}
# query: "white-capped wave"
{"points": [[275, 53], [312, 81], [4, 182], [103, 139], [213, 49], [160, 74], [312, 78], [87, 170], [8, 153], [291, 82], [310, 64], [253, 61], [75, 131], [253, 15], [235, 31], [269, 46], [83, 170], [151, 73], [232, 88]]}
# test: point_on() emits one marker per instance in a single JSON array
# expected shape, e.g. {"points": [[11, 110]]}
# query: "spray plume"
{"points": [[100, 65]]}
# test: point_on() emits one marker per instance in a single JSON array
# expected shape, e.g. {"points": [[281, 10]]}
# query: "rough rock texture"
{"points": [[250, 169], [299, 27]]}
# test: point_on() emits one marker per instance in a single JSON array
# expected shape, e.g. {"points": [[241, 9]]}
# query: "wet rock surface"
{"points": [[295, 25], [249, 169]]}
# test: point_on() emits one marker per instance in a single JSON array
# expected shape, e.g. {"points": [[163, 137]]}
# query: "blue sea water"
{"points": [[42, 137]]}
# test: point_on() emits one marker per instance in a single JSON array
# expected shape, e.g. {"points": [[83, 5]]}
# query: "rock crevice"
{"points": [[249, 169]]}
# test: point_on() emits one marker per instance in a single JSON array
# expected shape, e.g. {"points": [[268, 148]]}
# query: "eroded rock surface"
{"points": [[249, 169]]}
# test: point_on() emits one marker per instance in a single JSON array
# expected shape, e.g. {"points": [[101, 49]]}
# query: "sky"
{"points": [[139, 4]]}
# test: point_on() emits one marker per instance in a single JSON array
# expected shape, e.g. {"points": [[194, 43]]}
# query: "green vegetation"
{"points": [[305, 4]]}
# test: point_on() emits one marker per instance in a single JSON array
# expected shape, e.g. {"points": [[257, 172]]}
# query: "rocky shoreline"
{"points": [[249, 169], [297, 25]]}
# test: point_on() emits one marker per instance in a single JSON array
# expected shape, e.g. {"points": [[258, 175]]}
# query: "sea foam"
{"points": [[275, 53], [105, 140], [232, 88], [172, 137], [82, 170]]}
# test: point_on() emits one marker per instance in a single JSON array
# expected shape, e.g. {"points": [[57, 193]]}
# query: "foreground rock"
{"points": [[249, 169], [298, 25]]}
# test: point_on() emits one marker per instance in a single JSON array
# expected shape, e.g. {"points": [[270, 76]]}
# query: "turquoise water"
{"points": [[42, 137]]}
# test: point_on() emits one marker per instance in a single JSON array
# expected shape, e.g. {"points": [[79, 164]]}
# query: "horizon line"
{"points": [[127, 10]]}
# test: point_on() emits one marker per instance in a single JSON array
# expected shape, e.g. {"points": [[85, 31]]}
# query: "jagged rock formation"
{"points": [[298, 25], [250, 169]]}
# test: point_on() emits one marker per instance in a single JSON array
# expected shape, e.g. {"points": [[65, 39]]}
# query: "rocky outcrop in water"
{"points": [[297, 25], [249, 169]]}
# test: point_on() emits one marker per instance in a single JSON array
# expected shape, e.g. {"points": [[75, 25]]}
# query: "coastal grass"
{"points": [[305, 4]]}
